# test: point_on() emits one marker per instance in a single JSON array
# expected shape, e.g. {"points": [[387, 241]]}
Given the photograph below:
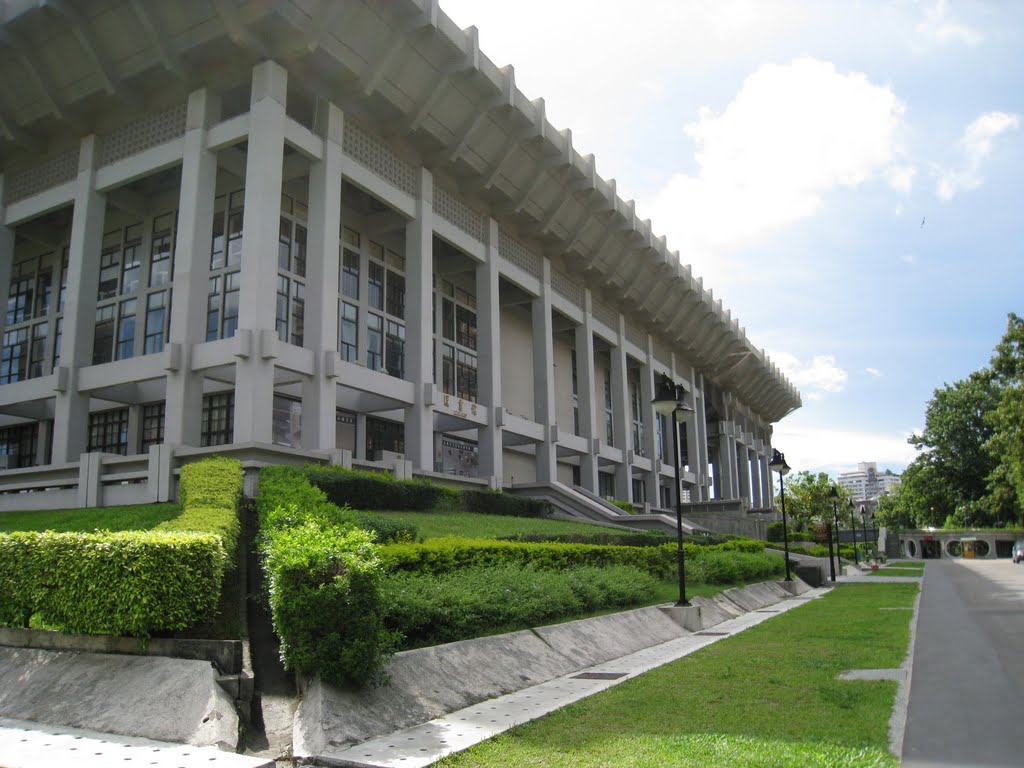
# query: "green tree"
{"points": [[893, 512], [809, 500], [1006, 445]]}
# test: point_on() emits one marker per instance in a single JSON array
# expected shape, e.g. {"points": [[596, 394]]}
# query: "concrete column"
{"points": [[319, 391], [254, 371], [697, 437], [360, 437], [754, 462], [184, 401], [586, 386], [725, 479], [622, 416], [743, 472], [488, 330], [71, 409], [767, 490], [544, 375], [7, 255], [419, 337], [651, 489]]}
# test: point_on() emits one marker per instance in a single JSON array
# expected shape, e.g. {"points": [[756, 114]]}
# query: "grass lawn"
{"points": [[766, 697], [432, 525], [141, 517]]}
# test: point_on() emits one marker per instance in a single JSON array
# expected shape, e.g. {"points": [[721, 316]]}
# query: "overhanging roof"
{"points": [[67, 68]]}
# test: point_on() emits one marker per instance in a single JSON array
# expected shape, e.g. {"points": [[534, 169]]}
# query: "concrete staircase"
{"points": [[576, 502]]}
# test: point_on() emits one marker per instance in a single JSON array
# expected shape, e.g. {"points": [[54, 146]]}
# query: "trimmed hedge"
{"points": [[600, 536], [112, 583], [129, 583], [443, 555], [428, 610], [369, 490], [716, 566], [322, 574], [508, 504]]}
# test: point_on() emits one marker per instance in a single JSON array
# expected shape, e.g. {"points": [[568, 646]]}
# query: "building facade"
{"points": [[339, 227], [867, 483]]}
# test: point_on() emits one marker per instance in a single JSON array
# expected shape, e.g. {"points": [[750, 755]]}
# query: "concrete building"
{"points": [[867, 483], [338, 226]]}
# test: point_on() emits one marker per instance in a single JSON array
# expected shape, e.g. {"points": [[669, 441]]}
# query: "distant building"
{"points": [[867, 483]]}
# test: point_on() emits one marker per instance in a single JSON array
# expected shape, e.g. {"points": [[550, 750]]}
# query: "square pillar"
{"points": [[319, 391], [621, 415], [652, 485], [254, 371], [544, 376], [184, 401], [419, 337], [586, 389], [488, 329], [71, 409]]}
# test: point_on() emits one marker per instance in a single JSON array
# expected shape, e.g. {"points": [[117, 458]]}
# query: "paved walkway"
{"points": [[31, 745], [966, 697], [424, 744]]}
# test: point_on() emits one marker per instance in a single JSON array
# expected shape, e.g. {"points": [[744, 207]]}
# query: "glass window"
{"points": [[374, 342], [299, 251], [213, 309], [287, 422], [126, 330], [162, 251], [103, 335], [44, 292], [394, 350], [395, 294], [110, 269], [156, 314], [281, 314], [348, 332], [466, 324], [284, 244], [58, 334], [298, 318], [152, 425], [350, 274], [18, 445], [465, 375], [14, 356], [375, 286], [37, 352], [132, 261], [218, 419], [108, 431], [232, 285]]}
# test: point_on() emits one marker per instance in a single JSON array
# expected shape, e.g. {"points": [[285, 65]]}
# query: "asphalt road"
{"points": [[966, 704]]}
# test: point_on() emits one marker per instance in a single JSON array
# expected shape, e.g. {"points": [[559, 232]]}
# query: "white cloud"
{"points": [[908, 258], [874, 372], [976, 144], [792, 133], [815, 377], [939, 27], [901, 177], [815, 447]]}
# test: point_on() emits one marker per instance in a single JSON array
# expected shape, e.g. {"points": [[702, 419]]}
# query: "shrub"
{"points": [[134, 583], [214, 482], [443, 555], [324, 602], [129, 583], [385, 531], [601, 536], [368, 490], [625, 506], [775, 531], [478, 601], [322, 573], [712, 566], [508, 504]]}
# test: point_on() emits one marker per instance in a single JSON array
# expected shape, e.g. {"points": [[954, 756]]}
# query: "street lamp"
{"points": [[864, 527], [778, 464], [670, 399], [834, 495], [853, 527]]}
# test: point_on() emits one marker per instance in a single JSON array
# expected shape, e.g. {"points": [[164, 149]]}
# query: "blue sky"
{"points": [[847, 177]]}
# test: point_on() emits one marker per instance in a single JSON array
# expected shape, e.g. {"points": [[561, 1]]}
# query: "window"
{"points": [[126, 330], [108, 431], [348, 331], [156, 322], [575, 398], [152, 425], [225, 261], [458, 329], [606, 485], [394, 350], [637, 413], [374, 342], [18, 446], [383, 435], [161, 260], [19, 299], [350, 274], [291, 271], [287, 422], [103, 335], [609, 418], [37, 351], [14, 356], [218, 419]]}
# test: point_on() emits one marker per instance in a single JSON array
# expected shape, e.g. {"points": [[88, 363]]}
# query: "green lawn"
{"points": [[766, 697], [142, 517], [432, 525]]}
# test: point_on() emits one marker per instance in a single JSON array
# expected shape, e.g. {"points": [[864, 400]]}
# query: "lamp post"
{"points": [[834, 495], [778, 464], [864, 528], [853, 527], [670, 399]]}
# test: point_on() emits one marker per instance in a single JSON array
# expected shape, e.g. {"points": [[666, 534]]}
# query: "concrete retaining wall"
{"points": [[430, 682]]}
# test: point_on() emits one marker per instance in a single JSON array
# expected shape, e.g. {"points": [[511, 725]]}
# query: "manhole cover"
{"points": [[599, 676]]}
